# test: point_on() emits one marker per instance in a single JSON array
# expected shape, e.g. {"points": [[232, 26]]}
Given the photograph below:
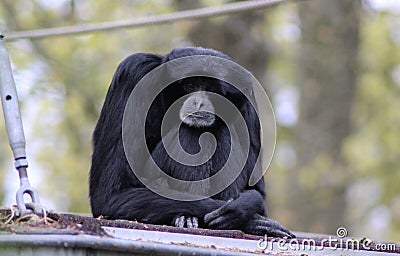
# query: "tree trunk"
{"points": [[327, 79]]}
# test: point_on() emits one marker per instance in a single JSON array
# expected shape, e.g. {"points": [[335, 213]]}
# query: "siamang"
{"points": [[117, 192]]}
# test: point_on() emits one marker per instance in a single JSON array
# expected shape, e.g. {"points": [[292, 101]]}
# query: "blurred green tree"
{"points": [[327, 65]]}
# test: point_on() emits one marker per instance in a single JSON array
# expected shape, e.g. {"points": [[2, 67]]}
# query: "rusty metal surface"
{"points": [[71, 234], [141, 242]]}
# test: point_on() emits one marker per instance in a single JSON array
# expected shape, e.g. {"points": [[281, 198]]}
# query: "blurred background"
{"points": [[331, 69]]}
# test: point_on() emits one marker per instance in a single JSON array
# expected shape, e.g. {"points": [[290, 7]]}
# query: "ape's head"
{"points": [[197, 89], [202, 101]]}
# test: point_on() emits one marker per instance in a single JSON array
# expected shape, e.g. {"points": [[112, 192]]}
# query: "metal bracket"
{"points": [[15, 132], [25, 188]]}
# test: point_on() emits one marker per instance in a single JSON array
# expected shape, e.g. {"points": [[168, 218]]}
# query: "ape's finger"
{"points": [[272, 232], [216, 213], [192, 222], [210, 216], [278, 226], [180, 222], [189, 223], [272, 227], [221, 222], [285, 230], [195, 222]]}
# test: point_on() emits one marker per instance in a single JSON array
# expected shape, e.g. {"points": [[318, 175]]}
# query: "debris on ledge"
{"points": [[76, 234]]}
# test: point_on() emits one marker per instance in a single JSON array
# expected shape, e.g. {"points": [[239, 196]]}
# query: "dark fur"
{"points": [[116, 193]]}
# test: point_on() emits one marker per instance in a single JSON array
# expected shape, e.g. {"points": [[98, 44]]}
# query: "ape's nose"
{"points": [[199, 104], [200, 98]]}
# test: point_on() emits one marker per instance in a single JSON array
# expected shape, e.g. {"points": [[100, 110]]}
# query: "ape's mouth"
{"points": [[199, 119], [201, 115]]}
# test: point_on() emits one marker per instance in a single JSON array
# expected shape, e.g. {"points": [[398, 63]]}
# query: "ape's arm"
{"points": [[114, 190], [117, 194], [145, 206]]}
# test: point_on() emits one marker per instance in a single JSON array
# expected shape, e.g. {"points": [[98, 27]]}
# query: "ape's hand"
{"points": [[185, 222], [261, 225], [236, 213]]}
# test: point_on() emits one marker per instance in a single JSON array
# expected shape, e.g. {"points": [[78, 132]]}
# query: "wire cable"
{"points": [[200, 13]]}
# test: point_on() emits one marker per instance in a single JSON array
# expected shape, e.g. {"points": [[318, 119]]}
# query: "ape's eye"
{"points": [[190, 87], [212, 89]]}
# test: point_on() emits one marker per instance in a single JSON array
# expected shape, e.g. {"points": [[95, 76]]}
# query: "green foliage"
{"points": [[373, 150]]}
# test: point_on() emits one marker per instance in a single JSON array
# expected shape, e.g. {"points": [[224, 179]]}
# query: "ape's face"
{"points": [[198, 110]]}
